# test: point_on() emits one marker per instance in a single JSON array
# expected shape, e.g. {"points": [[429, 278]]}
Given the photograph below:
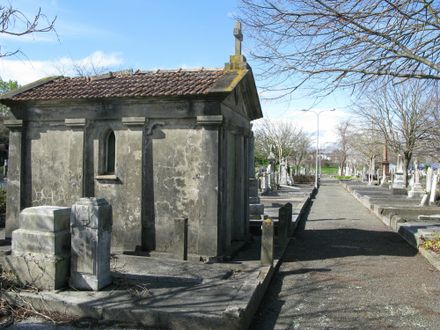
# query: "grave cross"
{"points": [[238, 38]]}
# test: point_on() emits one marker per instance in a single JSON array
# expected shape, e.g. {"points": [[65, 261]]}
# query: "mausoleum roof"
{"points": [[130, 84]]}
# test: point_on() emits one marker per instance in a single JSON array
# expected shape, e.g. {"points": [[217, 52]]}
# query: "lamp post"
{"points": [[317, 166]]}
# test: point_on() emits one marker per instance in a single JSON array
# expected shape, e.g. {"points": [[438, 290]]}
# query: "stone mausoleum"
{"points": [[156, 145]]}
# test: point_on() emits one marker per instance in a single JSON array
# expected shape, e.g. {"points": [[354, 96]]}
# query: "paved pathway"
{"points": [[347, 270]]}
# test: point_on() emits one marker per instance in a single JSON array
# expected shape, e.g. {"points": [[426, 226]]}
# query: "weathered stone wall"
{"points": [[14, 203], [185, 184], [55, 170], [124, 190], [235, 176], [174, 159]]}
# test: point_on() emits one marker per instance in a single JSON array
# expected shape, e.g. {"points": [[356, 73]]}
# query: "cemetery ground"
{"points": [[350, 270], [159, 292], [350, 267]]}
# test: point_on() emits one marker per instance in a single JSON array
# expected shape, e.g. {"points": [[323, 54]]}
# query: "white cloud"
{"points": [[26, 71]]}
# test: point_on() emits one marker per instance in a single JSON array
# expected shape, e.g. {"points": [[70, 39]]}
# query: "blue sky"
{"points": [[146, 34]]}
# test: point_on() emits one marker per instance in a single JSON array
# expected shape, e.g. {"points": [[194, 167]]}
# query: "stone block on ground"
{"points": [[40, 254], [40, 271], [284, 222], [45, 218], [29, 241]]}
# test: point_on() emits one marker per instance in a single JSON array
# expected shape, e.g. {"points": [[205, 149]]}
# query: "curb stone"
{"points": [[432, 257]]}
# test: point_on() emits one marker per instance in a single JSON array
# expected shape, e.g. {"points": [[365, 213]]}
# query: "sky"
{"points": [[148, 35]]}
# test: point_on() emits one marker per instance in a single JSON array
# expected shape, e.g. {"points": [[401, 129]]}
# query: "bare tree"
{"points": [[346, 42], [344, 138], [402, 115], [285, 139], [15, 23], [431, 146], [366, 145], [301, 150]]}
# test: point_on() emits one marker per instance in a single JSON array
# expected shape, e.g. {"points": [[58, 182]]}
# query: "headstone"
{"points": [[384, 176], [364, 173], [433, 194], [417, 189], [269, 178], [398, 187], [284, 222], [267, 242], [283, 173], [40, 253], [399, 168], [262, 179], [411, 182], [91, 226], [428, 180], [428, 185]]}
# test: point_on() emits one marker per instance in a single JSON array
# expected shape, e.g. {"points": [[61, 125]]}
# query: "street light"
{"points": [[317, 166]]}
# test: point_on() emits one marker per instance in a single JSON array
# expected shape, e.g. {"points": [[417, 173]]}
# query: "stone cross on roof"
{"points": [[238, 38]]}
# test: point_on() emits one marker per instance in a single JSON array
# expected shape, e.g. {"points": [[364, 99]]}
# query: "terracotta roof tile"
{"points": [[138, 84]]}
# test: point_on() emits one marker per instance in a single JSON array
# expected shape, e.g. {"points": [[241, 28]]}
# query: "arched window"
{"points": [[110, 148]]}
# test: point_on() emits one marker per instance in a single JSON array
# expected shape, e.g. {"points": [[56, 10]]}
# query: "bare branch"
{"points": [[15, 23], [345, 43]]}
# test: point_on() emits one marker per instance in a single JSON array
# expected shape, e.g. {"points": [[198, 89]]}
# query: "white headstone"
{"points": [[428, 180], [433, 194]]}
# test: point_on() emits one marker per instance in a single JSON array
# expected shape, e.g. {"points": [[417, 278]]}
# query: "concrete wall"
{"points": [[55, 170], [174, 159], [185, 184], [123, 190]]}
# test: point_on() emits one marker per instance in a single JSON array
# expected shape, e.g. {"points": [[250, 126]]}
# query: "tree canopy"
{"points": [[344, 43]]}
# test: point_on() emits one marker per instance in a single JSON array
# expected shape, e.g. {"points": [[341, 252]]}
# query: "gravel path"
{"points": [[347, 270]]}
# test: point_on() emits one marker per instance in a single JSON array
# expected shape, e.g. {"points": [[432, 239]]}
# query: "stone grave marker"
{"points": [[40, 253], [91, 227], [267, 233]]}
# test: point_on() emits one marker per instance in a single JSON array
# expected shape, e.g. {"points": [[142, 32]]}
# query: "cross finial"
{"points": [[238, 38]]}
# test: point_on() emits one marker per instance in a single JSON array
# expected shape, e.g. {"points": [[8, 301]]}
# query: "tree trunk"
{"points": [[406, 161]]}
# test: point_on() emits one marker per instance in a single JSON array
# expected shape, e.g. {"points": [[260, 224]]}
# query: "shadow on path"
{"points": [[316, 244]]}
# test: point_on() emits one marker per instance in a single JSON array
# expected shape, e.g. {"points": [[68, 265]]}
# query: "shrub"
{"points": [[432, 244]]}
